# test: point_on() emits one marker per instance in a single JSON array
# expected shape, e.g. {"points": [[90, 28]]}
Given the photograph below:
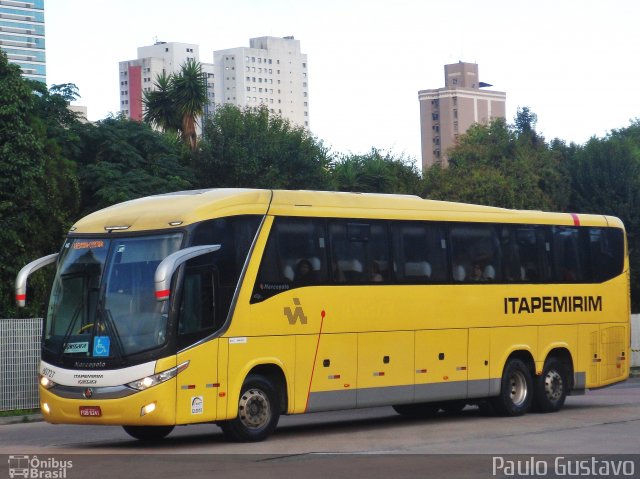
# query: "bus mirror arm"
{"points": [[170, 264], [25, 272]]}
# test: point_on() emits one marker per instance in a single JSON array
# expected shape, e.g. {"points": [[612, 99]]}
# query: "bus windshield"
{"points": [[102, 302]]}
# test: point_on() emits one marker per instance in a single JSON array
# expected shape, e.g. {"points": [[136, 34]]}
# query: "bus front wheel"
{"points": [[516, 390], [551, 386], [148, 433], [258, 411]]}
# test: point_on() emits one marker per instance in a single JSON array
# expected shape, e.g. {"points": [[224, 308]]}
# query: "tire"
{"points": [[148, 433], [258, 411], [552, 386], [516, 390], [416, 410]]}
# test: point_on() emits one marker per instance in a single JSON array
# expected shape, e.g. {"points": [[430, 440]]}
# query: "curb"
{"points": [[37, 417]]}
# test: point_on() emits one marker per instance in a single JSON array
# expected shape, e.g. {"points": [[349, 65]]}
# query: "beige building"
{"points": [[448, 112]]}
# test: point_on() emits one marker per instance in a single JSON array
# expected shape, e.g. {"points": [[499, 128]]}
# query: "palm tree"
{"points": [[160, 107], [178, 101], [190, 96]]}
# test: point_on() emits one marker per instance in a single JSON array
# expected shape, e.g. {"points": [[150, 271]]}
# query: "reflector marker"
{"points": [[165, 293], [421, 371], [334, 376], [378, 373], [213, 385], [576, 220], [188, 386], [461, 368]]}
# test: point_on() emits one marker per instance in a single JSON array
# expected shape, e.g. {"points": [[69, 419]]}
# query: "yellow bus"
{"points": [[235, 306]]}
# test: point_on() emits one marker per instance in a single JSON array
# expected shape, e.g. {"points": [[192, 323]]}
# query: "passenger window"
{"points": [[420, 252], [606, 246], [348, 254], [476, 253], [295, 256], [569, 255]]}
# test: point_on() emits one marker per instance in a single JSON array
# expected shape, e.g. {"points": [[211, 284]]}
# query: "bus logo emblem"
{"points": [[296, 314]]}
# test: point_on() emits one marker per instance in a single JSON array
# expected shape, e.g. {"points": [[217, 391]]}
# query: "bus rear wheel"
{"points": [[551, 386], [258, 411], [516, 390], [148, 433]]}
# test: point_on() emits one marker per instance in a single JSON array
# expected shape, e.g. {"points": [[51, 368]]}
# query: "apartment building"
{"points": [[272, 72], [446, 113], [139, 76], [22, 36]]}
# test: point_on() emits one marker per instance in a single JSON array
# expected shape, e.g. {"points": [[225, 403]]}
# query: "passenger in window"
{"points": [[304, 273], [376, 274], [476, 273]]}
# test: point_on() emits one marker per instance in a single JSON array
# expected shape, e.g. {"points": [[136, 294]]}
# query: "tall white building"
{"points": [[138, 76], [272, 72]]}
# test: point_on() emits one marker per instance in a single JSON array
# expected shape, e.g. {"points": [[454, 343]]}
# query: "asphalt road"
{"points": [[370, 442]]}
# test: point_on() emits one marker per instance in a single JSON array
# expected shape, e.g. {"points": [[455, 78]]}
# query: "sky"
{"points": [[575, 63]]}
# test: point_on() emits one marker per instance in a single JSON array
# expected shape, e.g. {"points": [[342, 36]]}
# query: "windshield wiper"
{"points": [[114, 334], [67, 333]]}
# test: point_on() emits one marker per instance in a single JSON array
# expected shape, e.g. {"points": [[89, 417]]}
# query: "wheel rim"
{"points": [[518, 384], [553, 385], [254, 408]]}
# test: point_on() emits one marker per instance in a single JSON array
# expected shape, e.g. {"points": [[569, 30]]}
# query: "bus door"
{"points": [[198, 385]]}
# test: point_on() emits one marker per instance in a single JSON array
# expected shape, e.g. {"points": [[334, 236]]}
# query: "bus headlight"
{"points": [[46, 383], [150, 381]]}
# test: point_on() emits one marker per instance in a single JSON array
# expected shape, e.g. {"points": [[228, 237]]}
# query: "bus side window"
{"points": [[476, 249], [606, 248], [513, 268], [295, 256], [197, 317], [348, 254], [420, 252], [569, 255]]}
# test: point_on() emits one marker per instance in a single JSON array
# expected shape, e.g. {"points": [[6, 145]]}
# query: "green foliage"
{"points": [[119, 160], [178, 101], [255, 149], [498, 165], [38, 188], [375, 172], [605, 178]]}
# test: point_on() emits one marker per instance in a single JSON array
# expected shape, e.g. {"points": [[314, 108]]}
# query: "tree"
{"points": [[38, 187], [500, 165], [254, 148], [375, 172], [177, 102], [605, 179], [119, 160], [160, 109]]}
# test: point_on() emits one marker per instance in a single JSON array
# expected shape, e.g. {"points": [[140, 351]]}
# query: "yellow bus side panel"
{"points": [[385, 368], [479, 362], [334, 375], [552, 337], [589, 353], [504, 341], [197, 386]]}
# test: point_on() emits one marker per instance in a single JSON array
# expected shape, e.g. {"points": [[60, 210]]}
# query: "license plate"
{"points": [[90, 411]]}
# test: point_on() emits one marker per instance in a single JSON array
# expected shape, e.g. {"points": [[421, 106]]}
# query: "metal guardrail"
{"points": [[19, 363]]}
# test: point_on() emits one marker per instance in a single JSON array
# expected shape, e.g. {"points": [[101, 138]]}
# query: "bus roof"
{"points": [[186, 207]]}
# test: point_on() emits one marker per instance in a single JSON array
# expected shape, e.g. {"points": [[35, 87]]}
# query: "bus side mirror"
{"points": [[21, 279], [170, 264]]}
